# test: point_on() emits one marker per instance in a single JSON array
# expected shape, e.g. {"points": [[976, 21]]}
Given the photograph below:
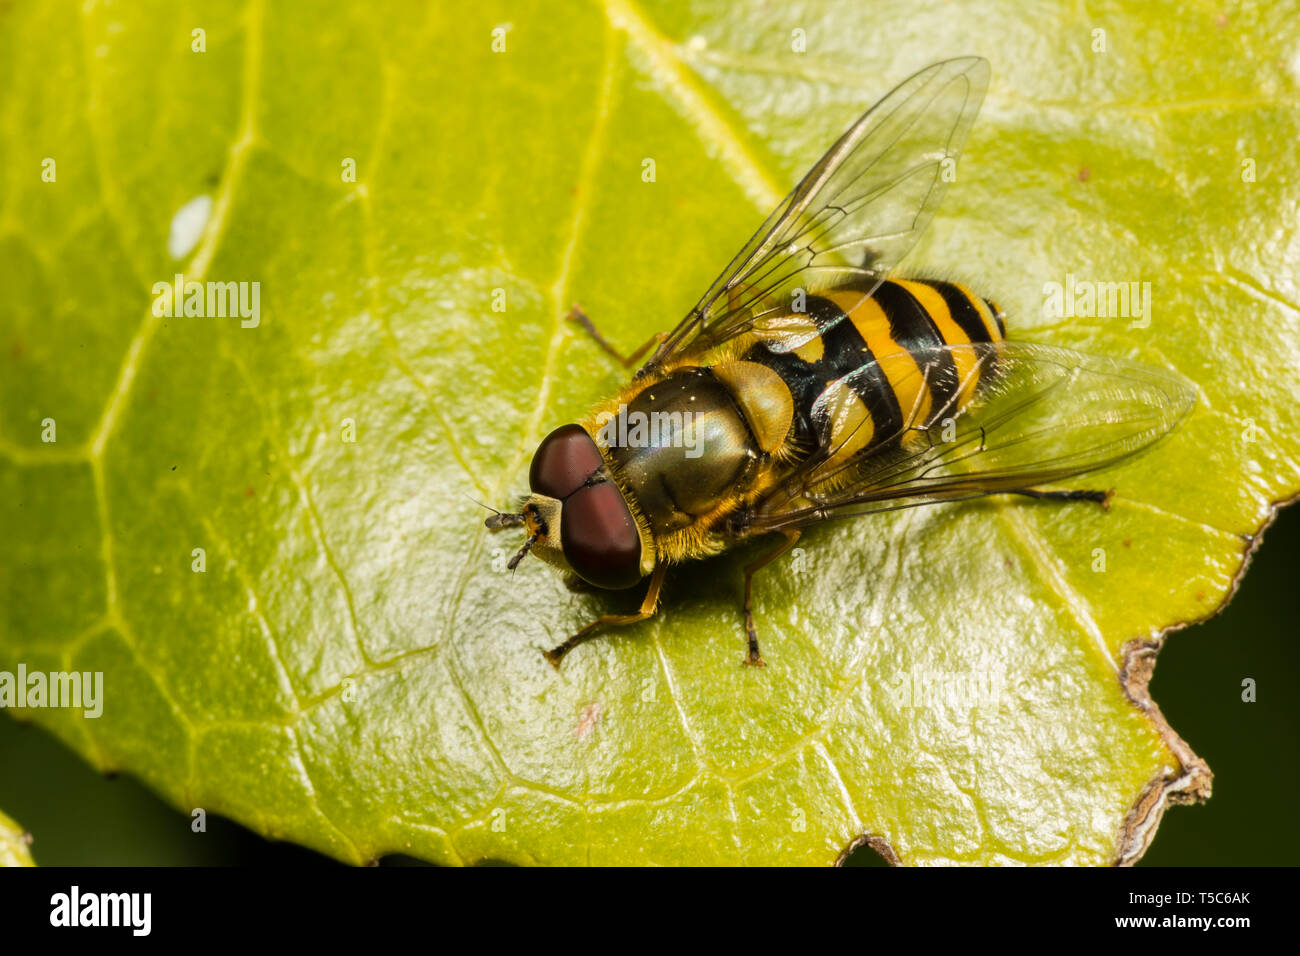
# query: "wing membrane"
{"points": [[1040, 415], [854, 215]]}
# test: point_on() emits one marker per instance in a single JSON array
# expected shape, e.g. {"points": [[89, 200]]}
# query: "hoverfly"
{"points": [[809, 384]]}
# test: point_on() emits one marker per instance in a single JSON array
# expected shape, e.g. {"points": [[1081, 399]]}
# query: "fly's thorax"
{"points": [[683, 445]]}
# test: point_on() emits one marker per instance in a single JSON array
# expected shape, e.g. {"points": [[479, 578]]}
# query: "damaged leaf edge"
{"points": [[1191, 782]]}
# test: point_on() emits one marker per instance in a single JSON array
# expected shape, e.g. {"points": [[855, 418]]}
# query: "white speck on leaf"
{"points": [[187, 226]]}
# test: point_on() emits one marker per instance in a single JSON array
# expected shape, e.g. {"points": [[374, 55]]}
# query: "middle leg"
{"points": [[753, 658]]}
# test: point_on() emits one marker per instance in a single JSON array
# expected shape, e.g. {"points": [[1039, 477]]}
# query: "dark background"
{"points": [[80, 817]]}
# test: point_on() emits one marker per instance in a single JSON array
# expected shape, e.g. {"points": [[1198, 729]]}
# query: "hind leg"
{"points": [[1100, 497]]}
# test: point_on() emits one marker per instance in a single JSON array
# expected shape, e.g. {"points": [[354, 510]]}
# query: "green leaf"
{"points": [[15, 844], [350, 672]]}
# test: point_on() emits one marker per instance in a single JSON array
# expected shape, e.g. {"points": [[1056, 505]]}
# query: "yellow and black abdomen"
{"points": [[882, 363]]}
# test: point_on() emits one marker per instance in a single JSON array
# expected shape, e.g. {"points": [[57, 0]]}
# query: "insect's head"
{"points": [[576, 517]]}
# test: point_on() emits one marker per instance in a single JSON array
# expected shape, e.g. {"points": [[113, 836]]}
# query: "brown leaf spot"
{"points": [[587, 722]]}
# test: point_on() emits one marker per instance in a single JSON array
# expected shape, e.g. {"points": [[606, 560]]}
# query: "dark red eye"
{"points": [[599, 537], [564, 460]]}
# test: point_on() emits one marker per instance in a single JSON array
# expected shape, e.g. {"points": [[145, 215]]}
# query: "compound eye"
{"points": [[565, 459], [599, 537]]}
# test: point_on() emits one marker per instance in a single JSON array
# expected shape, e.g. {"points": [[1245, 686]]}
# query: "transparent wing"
{"points": [[854, 215], [1039, 415]]}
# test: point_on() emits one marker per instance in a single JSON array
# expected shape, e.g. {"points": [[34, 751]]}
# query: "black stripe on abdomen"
{"points": [[911, 327], [845, 352], [964, 312]]}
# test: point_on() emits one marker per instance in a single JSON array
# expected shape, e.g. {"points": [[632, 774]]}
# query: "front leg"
{"points": [[753, 658], [579, 586], [648, 607]]}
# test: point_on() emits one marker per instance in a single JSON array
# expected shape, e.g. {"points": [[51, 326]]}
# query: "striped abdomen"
{"points": [[879, 365]]}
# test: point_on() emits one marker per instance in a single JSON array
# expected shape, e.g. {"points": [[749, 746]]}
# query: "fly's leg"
{"points": [[577, 315], [1100, 497], [578, 586], [754, 658], [648, 607]]}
